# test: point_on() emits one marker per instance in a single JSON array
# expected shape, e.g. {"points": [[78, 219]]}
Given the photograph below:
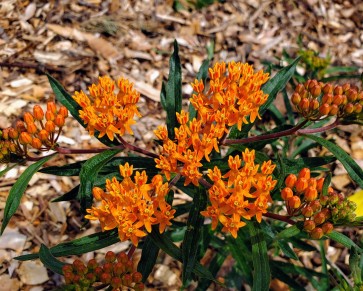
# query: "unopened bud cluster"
{"points": [[117, 272], [313, 60], [315, 100], [38, 130], [304, 197]]}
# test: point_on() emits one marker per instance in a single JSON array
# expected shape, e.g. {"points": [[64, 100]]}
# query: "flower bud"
{"points": [[68, 278], [290, 181], [127, 280], [122, 258], [38, 112], [294, 202], [20, 126], [333, 109], [105, 278], [315, 205], [63, 111], [328, 89], [326, 212], [28, 117], [5, 133], [13, 133], [358, 108], [92, 264], [307, 211], [107, 268], [118, 269], [304, 173], [319, 218], [324, 200], [25, 138], [67, 269], [36, 143], [139, 286], [91, 277], [304, 104], [315, 91], [346, 87], [327, 98], [312, 182], [319, 184], [31, 128], [98, 193], [295, 98], [49, 115], [110, 257], [310, 194], [116, 283], [327, 227], [301, 184], [299, 88], [286, 193], [43, 135], [314, 104], [351, 95], [324, 109], [338, 90], [349, 108], [316, 233], [338, 99], [49, 126], [333, 199], [309, 225], [51, 107], [59, 120], [136, 277]]}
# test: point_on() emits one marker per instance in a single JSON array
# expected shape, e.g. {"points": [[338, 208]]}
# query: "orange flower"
{"points": [[108, 112], [132, 205]]}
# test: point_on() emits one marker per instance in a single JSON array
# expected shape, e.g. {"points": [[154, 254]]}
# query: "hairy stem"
{"points": [[266, 136], [279, 217], [136, 149]]}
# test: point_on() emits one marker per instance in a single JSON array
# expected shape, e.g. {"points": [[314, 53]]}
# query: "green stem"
{"points": [[266, 136]]}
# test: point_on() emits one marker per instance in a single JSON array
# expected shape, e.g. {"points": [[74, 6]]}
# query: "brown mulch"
{"points": [[77, 41]]}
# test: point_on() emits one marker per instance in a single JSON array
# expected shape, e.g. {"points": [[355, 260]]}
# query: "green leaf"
{"points": [[271, 87], [293, 166], [164, 243], [201, 75], [324, 282], [353, 169], [344, 240], [80, 246], [149, 255], [89, 174], [16, 192], [70, 195], [50, 261], [193, 233], [289, 232], [354, 264], [261, 267], [173, 98], [242, 254], [287, 250], [66, 99]]}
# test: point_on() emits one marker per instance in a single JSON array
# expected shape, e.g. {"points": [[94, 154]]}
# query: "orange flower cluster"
{"points": [[303, 196], [132, 205], [315, 100], [108, 112], [39, 130], [234, 94], [117, 272], [243, 192]]}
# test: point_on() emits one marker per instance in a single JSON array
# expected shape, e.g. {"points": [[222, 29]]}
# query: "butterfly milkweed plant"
{"points": [[256, 198]]}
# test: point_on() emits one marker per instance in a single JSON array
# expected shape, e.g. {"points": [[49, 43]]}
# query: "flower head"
{"points": [[107, 111]]}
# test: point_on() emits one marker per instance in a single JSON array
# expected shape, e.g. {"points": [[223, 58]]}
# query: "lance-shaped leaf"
{"points": [[149, 255], [50, 261], [344, 240], [171, 97], [353, 169], [261, 267], [89, 174], [17, 191], [193, 233], [66, 99], [80, 246]]}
